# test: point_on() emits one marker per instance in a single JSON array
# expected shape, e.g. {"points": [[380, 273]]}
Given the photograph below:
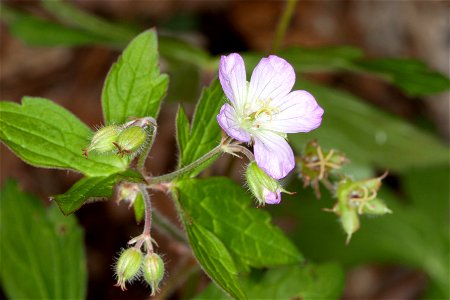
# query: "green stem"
{"points": [[147, 220], [175, 174], [143, 156], [283, 24], [165, 225]]}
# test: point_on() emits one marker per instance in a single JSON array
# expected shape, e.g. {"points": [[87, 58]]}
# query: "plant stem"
{"points": [[143, 156], [147, 220], [184, 170], [168, 227], [283, 24]]}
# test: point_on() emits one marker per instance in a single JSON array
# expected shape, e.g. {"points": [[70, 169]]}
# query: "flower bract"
{"points": [[264, 110]]}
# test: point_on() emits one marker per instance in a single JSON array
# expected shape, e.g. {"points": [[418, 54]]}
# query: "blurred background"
{"points": [[73, 77]]}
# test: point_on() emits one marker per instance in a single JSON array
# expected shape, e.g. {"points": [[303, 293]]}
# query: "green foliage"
{"points": [[42, 251], [414, 235], [410, 75], [367, 135], [92, 189], [217, 211], [40, 32], [46, 135], [204, 132], [292, 282], [134, 86]]}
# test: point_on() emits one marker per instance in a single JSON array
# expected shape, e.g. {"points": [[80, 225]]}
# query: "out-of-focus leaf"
{"points": [[91, 189], [411, 76], [368, 135], [71, 15], [223, 207], [46, 135], [134, 86], [182, 129], [293, 282], [42, 251], [204, 133], [181, 51], [215, 259], [39, 32], [412, 235], [139, 208]]}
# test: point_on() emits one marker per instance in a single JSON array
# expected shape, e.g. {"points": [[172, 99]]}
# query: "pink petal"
{"points": [[229, 122], [299, 112], [233, 78], [272, 197], [272, 78], [273, 154]]}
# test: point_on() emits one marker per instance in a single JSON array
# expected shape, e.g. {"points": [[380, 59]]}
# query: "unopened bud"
{"points": [[266, 189], [103, 140], [128, 266], [128, 192], [130, 140], [153, 269]]}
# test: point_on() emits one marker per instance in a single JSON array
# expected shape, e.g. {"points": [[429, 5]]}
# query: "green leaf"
{"points": [[411, 76], [292, 282], [369, 136], [205, 132], [46, 135], [215, 259], [92, 189], [38, 32], [178, 50], [69, 14], [42, 251], [134, 86], [223, 207], [139, 208], [182, 129]]}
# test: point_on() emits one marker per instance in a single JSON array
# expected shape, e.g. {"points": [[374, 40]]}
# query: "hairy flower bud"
{"points": [[265, 189], [128, 266], [376, 207], [350, 222], [103, 140], [153, 270], [127, 191], [130, 140]]}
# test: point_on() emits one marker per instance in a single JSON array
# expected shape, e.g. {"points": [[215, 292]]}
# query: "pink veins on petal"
{"points": [[265, 109]]}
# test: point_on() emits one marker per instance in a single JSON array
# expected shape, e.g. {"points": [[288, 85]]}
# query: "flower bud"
{"points": [[130, 140], [265, 189], [128, 266], [153, 269], [103, 140], [128, 192]]}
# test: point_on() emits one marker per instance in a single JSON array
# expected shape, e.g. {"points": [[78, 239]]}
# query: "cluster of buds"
{"points": [[266, 189], [356, 198], [132, 265], [316, 164], [128, 139]]}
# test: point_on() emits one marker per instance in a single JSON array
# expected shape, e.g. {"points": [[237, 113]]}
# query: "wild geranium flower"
{"points": [[261, 112]]}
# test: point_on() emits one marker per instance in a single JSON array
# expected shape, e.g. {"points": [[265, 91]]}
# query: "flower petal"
{"points": [[273, 154], [299, 112], [272, 78], [229, 122], [233, 78], [272, 197]]}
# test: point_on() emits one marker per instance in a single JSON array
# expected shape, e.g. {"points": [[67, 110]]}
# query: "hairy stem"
{"points": [[147, 220], [186, 169], [283, 24]]}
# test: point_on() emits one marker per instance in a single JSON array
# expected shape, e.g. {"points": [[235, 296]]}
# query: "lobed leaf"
{"points": [[204, 133], [42, 251], [307, 282], [46, 135], [134, 86], [91, 189], [224, 208]]}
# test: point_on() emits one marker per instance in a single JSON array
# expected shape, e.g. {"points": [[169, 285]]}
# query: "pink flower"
{"points": [[264, 110]]}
